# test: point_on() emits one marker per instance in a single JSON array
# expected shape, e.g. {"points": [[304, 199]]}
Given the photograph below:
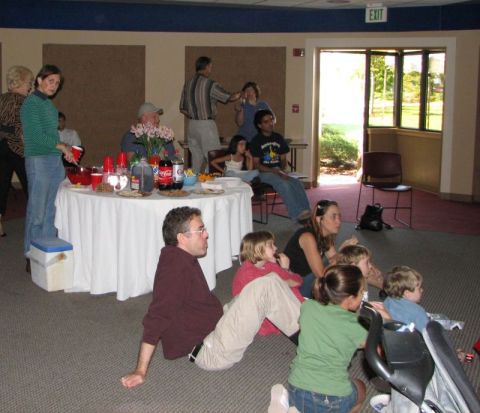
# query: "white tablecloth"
{"points": [[117, 241]]}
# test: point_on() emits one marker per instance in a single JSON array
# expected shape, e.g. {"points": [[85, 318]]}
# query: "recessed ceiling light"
{"points": [[338, 1]]}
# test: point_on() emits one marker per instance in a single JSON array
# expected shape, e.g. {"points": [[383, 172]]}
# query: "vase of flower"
{"points": [[154, 139]]}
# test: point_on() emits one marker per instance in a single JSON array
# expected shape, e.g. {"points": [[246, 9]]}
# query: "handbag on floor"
{"points": [[372, 218]]}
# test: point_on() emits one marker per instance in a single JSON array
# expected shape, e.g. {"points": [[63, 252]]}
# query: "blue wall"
{"points": [[44, 14]]}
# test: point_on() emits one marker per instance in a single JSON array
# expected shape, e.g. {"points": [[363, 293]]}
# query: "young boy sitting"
{"points": [[359, 256], [404, 288]]}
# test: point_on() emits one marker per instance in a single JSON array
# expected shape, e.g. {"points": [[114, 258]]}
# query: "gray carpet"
{"points": [[66, 352]]}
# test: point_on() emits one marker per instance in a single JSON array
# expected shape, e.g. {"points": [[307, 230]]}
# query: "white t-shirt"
{"points": [[70, 137]]}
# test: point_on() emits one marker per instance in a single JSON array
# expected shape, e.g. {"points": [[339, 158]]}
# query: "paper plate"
{"points": [[174, 193], [228, 181], [133, 194], [79, 187], [207, 191]]}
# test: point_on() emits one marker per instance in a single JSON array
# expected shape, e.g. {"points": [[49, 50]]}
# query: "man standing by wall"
{"points": [[199, 104]]}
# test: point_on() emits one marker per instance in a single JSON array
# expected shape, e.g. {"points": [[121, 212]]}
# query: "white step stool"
{"points": [[51, 261]]}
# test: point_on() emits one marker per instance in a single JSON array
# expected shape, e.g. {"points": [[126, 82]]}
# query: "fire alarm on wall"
{"points": [[298, 52], [295, 108]]}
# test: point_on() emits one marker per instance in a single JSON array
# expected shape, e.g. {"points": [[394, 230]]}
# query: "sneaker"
{"points": [[380, 402], [278, 399]]}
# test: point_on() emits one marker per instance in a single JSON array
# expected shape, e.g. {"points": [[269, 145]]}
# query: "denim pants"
{"points": [[291, 190], [306, 287], [44, 175], [310, 402]]}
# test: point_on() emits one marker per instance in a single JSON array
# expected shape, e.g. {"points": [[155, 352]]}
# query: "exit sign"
{"points": [[376, 15]]}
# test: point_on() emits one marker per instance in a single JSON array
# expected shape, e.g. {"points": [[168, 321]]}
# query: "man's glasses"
{"points": [[197, 231]]}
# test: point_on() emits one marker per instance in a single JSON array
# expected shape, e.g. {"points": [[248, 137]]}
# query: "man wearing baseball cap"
{"points": [[147, 113]]}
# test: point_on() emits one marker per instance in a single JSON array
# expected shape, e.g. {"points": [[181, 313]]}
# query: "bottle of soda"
{"points": [[165, 175], [177, 173]]}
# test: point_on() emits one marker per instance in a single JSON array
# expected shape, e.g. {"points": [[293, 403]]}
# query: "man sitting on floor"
{"points": [[187, 317], [269, 150]]}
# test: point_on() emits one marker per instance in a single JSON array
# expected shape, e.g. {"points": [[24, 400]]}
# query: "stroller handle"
{"points": [[369, 313]]}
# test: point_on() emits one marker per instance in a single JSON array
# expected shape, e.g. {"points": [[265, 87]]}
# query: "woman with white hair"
{"points": [[19, 84]]}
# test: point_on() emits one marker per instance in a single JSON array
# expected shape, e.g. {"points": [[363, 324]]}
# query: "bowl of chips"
{"points": [[189, 177]]}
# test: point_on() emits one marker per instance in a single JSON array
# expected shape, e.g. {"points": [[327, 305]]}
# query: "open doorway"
{"points": [[341, 115]]}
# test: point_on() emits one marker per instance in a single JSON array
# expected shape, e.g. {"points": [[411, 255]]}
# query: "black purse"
{"points": [[372, 218]]}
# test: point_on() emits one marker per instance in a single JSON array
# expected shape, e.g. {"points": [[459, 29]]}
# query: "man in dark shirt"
{"points": [[269, 151], [147, 113], [186, 316]]}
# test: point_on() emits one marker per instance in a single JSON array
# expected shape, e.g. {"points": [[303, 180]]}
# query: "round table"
{"points": [[117, 241]]}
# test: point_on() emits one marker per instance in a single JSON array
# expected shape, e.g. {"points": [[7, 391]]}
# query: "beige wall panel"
{"points": [[382, 140], [100, 98], [466, 112], [476, 166], [421, 158]]}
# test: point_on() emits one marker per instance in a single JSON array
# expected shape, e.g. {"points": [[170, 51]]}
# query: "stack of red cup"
{"points": [[122, 160], [107, 164]]}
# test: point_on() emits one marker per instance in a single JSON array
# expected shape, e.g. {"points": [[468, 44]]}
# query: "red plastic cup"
{"points": [[107, 164], [76, 152], [122, 159], [96, 179]]}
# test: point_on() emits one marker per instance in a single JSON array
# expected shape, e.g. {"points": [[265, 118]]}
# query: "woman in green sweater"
{"points": [[43, 155]]}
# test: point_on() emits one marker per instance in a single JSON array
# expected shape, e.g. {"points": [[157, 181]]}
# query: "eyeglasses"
{"points": [[197, 231]]}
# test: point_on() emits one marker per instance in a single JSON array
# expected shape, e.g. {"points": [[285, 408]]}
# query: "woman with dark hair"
{"points": [[329, 336], [239, 161], [43, 155], [312, 247], [19, 84], [246, 109]]}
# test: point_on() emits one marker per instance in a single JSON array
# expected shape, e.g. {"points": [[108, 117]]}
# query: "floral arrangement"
{"points": [[152, 137]]}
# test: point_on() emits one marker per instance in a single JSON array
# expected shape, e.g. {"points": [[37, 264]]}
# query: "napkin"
{"points": [[209, 185]]}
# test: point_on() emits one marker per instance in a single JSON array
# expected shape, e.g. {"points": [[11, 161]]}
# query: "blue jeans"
{"points": [[309, 402], [44, 175], [291, 190], [306, 287]]}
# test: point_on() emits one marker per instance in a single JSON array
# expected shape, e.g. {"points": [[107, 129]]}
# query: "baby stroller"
{"points": [[423, 370]]}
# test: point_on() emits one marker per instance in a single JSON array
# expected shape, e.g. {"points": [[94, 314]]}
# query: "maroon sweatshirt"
{"points": [[183, 310]]}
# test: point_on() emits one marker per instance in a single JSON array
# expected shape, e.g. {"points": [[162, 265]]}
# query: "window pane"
{"points": [[436, 82], [412, 67], [382, 91]]}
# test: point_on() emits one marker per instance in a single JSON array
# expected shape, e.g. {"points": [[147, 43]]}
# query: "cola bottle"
{"points": [[165, 175]]}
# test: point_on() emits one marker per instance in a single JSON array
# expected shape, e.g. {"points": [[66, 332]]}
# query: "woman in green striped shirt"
{"points": [[43, 155]]}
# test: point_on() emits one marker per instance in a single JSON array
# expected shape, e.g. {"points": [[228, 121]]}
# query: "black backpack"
{"points": [[372, 218]]}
